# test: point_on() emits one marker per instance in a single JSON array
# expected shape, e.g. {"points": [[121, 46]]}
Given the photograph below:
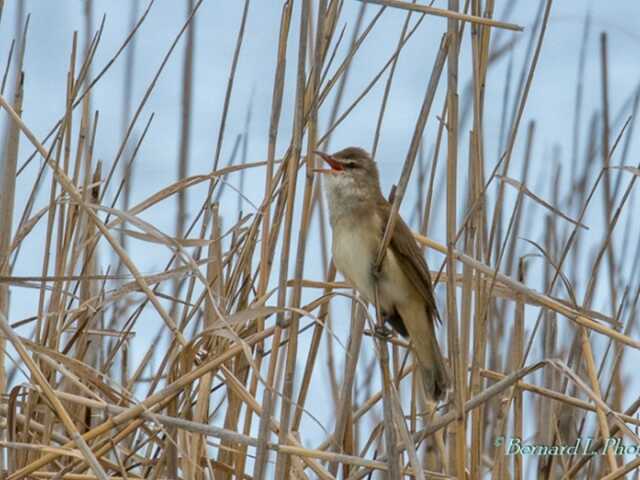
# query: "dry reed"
{"points": [[225, 389]]}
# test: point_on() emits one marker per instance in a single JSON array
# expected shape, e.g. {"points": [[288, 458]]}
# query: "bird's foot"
{"points": [[376, 273], [382, 331], [283, 322]]}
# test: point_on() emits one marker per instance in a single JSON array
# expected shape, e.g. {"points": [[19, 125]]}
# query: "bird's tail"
{"points": [[431, 366]]}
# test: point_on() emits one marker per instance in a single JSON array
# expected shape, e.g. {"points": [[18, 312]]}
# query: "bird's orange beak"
{"points": [[335, 165]]}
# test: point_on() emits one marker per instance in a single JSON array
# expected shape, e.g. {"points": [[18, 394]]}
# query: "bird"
{"points": [[358, 215]]}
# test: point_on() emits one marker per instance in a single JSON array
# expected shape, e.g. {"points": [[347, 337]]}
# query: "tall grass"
{"points": [[228, 387]]}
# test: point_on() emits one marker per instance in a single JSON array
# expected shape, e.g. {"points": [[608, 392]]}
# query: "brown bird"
{"points": [[359, 213]]}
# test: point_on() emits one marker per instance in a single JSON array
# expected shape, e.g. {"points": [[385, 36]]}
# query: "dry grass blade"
{"points": [[521, 188], [41, 381], [440, 12]]}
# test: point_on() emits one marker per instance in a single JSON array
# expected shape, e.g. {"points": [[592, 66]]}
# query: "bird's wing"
{"points": [[411, 261]]}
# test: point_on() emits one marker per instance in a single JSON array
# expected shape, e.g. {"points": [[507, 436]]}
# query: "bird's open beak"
{"points": [[335, 165]]}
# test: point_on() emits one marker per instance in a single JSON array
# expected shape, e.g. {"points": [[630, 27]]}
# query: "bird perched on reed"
{"points": [[358, 214]]}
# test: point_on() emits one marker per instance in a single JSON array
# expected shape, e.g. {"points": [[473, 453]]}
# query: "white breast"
{"points": [[354, 249], [357, 232]]}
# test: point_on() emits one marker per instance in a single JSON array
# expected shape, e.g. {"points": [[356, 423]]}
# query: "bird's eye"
{"points": [[350, 164]]}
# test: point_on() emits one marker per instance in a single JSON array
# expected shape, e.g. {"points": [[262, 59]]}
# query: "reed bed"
{"points": [[246, 355]]}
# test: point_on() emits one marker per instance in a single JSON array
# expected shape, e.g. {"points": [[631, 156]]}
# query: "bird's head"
{"points": [[351, 168]]}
